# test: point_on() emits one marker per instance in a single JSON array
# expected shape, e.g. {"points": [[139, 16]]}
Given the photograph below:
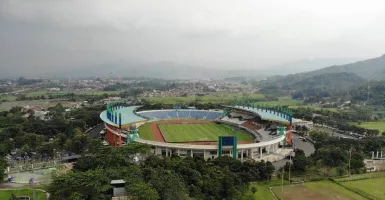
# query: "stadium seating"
{"points": [[173, 114]]}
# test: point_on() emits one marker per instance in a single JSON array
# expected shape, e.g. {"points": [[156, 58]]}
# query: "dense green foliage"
{"points": [[30, 134], [340, 120], [333, 152], [157, 178]]}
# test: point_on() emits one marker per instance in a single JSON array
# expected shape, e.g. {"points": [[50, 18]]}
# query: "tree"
{"points": [[13, 196], [141, 190], [253, 190], [3, 166], [83, 185]]}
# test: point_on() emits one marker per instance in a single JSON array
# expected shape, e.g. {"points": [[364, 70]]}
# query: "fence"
{"points": [[31, 166]]}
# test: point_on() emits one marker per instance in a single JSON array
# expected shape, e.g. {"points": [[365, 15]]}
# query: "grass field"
{"points": [[374, 186], [316, 191], [145, 132], [315, 108], [283, 101], [362, 176], [5, 106], [201, 132], [46, 92], [213, 97], [6, 194], [372, 125]]}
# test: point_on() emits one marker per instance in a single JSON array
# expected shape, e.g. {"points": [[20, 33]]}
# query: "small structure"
{"points": [[118, 188]]}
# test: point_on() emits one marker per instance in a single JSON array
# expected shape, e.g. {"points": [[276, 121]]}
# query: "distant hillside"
{"points": [[331, 80], [301, 81], [368, 69], [334, 77]]}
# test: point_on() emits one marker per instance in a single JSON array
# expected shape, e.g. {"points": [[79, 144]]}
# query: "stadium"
{"points": [[240, 131]]}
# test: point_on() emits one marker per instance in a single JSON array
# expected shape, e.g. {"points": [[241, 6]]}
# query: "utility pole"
{"points": [[289, 165], [283, 173], [350, 157], [367, 101]]}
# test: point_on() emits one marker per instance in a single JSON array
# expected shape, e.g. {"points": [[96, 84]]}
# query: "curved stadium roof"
{"points": [[128, 116], [268, 116]]}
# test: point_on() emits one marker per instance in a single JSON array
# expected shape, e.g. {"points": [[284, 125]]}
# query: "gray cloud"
{"points": [[44, 35]]}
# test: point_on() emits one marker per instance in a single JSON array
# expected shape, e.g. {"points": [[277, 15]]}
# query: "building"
{"points": [[122, 122]]}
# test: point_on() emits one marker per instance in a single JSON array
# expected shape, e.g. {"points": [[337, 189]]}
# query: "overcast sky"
{"points": [[40, 35]]}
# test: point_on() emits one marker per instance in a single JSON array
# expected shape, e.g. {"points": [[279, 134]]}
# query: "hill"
{"points": [[368, 69], [302, 81]]}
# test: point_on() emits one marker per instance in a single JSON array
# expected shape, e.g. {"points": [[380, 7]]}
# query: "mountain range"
{"points": [[333, 77]]}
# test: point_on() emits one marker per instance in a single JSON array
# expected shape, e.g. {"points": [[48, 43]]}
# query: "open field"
{"points": [[8, 98], [78, 92], [362, 176], [372, 125], [6, 194], [201, 132], [316, 191], [213, 97], [374, 186], [5, 106], [283, 101], [315, 108]]}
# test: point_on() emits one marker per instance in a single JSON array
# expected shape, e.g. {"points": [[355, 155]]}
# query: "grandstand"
{"points": [[180, 114], [125, 125]]}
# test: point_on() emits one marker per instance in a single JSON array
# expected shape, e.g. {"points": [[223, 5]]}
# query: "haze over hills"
{"points": [[373, 69], [337, 76]]}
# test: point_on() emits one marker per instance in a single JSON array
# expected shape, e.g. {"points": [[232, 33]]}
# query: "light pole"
{"points": [[350, 158], [283, 173], [289, 165]]}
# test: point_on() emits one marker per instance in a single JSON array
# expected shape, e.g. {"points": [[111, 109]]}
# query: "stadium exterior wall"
{"points": [[255, 151]]}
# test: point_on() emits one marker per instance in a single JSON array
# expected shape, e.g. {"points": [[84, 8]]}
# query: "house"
{"points": [[42, 115]]}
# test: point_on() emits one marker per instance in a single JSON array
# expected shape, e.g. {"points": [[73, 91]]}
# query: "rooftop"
{"points": [[128, 116], [269, 116]]}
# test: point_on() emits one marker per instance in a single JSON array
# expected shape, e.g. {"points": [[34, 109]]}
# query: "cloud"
{"points": [[218, 33]]}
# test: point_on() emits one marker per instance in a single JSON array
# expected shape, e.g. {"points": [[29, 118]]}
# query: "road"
{"points": [[333, 133], [95, 132], [307, 147]]}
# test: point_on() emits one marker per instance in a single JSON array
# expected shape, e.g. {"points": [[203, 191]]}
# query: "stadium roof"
{"points": [[263, 114], [128, 116]]}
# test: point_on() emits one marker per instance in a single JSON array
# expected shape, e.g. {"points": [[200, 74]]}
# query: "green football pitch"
{"points": [[201, 132]]}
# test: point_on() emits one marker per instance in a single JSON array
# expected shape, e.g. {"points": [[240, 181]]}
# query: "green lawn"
{"points": [[316, 191], [362, 176], [46, 92], [315, 108], [6, 194], [372, 125], [201, 132], [374, 186], [262, 192], [213, 97], [8, 97], [5, 106], [145, 132], [283, 101]]}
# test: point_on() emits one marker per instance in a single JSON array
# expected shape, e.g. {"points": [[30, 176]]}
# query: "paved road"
{"points": [[95, 132], [334, 133], [307, 147]]}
